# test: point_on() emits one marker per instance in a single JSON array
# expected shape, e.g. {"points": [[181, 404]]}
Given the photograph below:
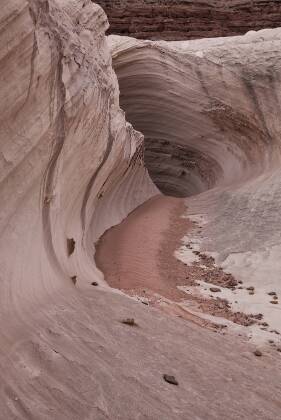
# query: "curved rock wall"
{"points": [[187, 19], [67, 155], [210, 114], [203, 107]]}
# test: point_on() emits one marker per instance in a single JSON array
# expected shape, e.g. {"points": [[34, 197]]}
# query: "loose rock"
{"points": [[94, 283], [129, 321], [215, 289], [170, 379]]}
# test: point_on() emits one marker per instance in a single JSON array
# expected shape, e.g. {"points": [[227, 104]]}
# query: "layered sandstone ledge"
{"points": [[187, 19]]}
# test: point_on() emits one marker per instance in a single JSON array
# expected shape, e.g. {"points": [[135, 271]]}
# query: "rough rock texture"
{"points": [[71, 167], [190, 19]]}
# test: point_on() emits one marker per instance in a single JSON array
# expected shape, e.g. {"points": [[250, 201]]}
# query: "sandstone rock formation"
{"points": [[189, 19], [72, 167], [209, 111], [203, 107]]}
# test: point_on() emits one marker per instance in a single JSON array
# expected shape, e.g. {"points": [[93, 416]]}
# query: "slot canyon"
{"points": [[140, 223]]}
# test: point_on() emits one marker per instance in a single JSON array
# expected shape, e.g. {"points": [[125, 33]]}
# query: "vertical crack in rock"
{"points": [[41, 17], [96, 173]]}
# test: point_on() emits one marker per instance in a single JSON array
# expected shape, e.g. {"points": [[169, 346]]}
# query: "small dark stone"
{"points": [[258, 316], [258, 353], [94, 283], [74, 279], [271, 341], [215, 289], [251, 288], [275, 298], [129, 321], [274, 302], [240, 281], [272, 293], [170, 379]]}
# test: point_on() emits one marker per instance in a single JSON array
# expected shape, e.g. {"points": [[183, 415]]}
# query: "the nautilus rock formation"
{"points": [[197, 119]]}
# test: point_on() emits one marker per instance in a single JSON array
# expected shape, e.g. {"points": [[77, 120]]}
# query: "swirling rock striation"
{"points": [[208, 109], [187, 19], [71, 167]]}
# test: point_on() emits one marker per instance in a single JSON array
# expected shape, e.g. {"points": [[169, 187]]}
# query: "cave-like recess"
{"points": [[203, 125]]}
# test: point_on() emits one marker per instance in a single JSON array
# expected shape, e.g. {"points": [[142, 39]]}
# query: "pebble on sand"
{"points": [[215, 289], [94, 283], [170, 379], [129, 321]]}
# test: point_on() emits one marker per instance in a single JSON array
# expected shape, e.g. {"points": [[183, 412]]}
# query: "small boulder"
{"points": [[215, 289], [144, 301], [258, 353], [170, 379], [129, 321]]}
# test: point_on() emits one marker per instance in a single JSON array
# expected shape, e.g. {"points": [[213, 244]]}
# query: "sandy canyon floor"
{"points": [[146, 257]]}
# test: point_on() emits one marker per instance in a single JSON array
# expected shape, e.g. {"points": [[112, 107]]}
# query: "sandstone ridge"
{"points": [[187, 19]]}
